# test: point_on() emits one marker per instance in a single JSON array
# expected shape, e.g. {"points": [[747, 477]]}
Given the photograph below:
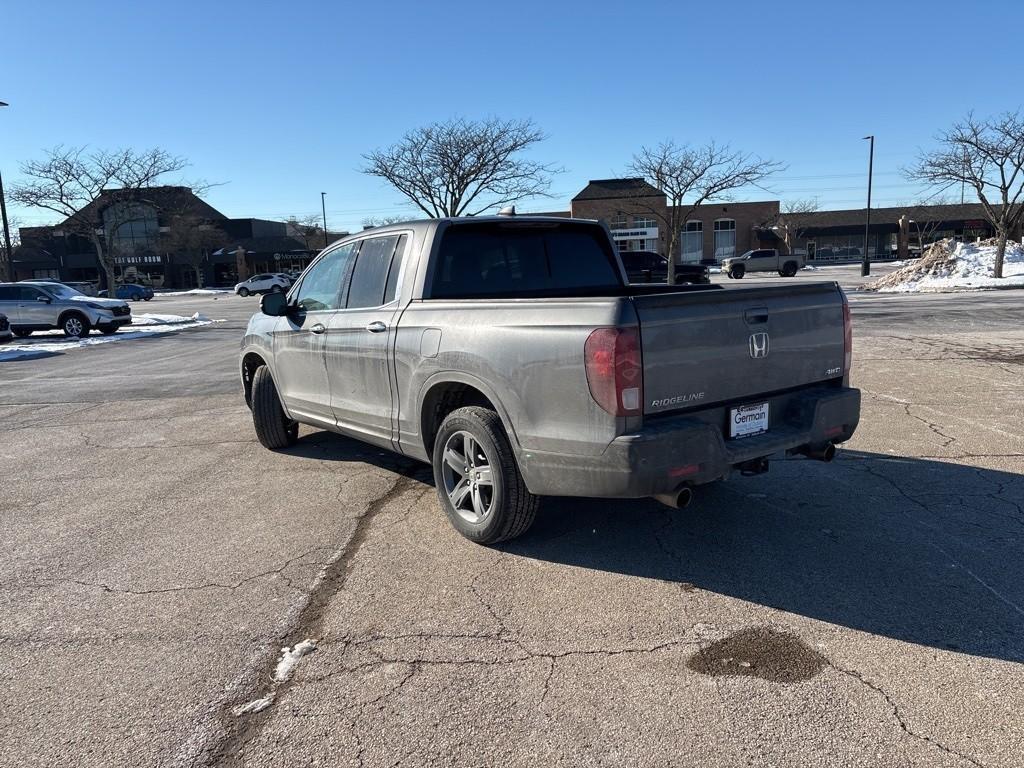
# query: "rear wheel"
{"points": [[477, 478], [273, 428], [22, 333], [75, 325], [108, 330], [788, 269], [737, 271]]}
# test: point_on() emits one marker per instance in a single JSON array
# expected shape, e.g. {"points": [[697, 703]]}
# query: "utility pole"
{"points": [[323, 207], [865, 264], [7, 267]]}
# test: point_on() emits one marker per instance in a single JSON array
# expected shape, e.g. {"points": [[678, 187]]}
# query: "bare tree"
{"points": [[921, 219], [192, 239], [691, 176], [307, 229], [71, 181], [382, 221], [464, 167], [987, 155], [7, 259]]}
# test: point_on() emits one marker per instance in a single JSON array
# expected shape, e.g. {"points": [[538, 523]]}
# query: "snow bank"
{"points": [[48, 342], [952, 266], [290, 658], [151, 318], [199, 292]]}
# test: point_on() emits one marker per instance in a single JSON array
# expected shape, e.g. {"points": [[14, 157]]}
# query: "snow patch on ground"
{"points": [[49, 342], [199, 292], [152, 318], [950, 266], [254, 706], [290, 658], [810, 268]]}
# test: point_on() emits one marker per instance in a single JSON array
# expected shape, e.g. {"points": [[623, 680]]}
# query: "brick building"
{"points": [[147, 243], [635, 212]]}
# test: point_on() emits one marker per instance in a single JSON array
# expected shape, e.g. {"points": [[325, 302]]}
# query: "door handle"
{"points": [[376, 327], [318, 328]]}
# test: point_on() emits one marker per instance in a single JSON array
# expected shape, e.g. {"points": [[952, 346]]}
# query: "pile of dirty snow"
{"points": [[952, 266]]}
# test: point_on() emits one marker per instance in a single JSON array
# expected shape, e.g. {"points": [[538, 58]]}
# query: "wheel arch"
{"points": [[444, 393], [251, 362]]}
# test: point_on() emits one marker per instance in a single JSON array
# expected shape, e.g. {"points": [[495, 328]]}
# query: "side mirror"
{"points": [[274, 304]]}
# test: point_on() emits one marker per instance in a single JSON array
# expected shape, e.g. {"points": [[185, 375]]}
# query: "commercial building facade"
{"points": [[636, 213], [165, 237]]}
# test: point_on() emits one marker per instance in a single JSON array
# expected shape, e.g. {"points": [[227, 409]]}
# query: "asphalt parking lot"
{"points": [[157, 558]]}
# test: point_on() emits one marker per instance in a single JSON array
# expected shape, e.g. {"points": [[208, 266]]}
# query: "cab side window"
{"points": [[376, 272], [321, 286]]}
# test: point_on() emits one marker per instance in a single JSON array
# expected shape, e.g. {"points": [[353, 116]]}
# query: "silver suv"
{"points": [[42, 306]]}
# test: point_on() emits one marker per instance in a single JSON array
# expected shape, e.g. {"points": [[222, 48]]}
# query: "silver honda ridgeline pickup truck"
{"points": [[511, 354]]}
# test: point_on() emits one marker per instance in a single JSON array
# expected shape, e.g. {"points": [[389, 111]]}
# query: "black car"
{"points": [[650, 267]]}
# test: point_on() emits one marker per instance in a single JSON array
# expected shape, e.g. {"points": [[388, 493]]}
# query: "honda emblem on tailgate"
{"points": [[758, 345]]}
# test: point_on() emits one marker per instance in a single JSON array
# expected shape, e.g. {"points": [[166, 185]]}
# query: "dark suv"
{"points": [[650, 267]]}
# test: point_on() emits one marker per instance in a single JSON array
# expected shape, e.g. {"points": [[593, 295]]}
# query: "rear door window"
{"points": [[370, 276], [499, 260]]}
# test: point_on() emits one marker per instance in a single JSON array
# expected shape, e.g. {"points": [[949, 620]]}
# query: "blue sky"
{"points": [[279, 100]]}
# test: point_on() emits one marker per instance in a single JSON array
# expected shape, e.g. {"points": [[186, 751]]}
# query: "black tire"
{"points": [[512, 507], [22, 333], [273, 428], [243, 292], [276, 289], [146, 298], [789, 269], [737, 272], [75, 325], [107, 330]]}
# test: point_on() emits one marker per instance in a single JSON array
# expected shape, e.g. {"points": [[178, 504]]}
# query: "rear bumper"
{"points": [[692, 449]]}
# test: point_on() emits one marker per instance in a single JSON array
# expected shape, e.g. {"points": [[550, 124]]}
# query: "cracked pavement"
{"points": [[867, 612]]}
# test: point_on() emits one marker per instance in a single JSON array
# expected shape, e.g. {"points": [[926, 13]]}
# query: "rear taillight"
{"points": [[847, 336], [615, 370]]}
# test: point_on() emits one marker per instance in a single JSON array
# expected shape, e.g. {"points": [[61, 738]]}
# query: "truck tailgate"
{"points": [[735, 344]]}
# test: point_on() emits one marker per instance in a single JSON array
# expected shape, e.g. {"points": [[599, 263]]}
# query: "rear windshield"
{"points": [[510, 260]]}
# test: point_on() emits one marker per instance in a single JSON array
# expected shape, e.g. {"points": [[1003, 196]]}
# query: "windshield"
{"points": [[61, 291]]}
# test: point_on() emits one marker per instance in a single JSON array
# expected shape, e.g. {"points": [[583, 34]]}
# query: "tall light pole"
{"points": [[323, 207], [7, 268], [865, 264]]}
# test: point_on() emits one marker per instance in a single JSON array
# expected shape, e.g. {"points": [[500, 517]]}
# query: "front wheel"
{"points": [[273, 428], [75, 326], [243, 292], [276, 289], [477, 478]]}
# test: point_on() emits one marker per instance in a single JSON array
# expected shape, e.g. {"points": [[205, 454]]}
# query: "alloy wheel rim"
{"points": [[468, 479], [74, 326]]}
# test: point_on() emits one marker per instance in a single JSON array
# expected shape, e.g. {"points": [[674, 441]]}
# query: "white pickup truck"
{"points": [[763, 260]]}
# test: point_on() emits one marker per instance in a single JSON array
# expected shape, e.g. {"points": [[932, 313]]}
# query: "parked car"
{"points": [[132, 291], [763, 260], [512, 355], [264, 283], [651, 267], [42, 306], [6, 334]]}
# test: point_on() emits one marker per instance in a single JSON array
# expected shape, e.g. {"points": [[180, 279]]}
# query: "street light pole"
{"points": [[7, 267], [865, 264], [323, 207]]}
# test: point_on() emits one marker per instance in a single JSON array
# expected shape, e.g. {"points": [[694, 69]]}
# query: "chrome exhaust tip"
{"points": [[677, 499]]}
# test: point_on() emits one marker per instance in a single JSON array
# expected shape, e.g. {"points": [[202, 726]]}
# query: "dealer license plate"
{"points": [[748, 420]]}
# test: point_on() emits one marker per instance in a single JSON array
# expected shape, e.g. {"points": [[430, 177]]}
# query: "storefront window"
{"points": [[725, 239], [693, 242]]}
